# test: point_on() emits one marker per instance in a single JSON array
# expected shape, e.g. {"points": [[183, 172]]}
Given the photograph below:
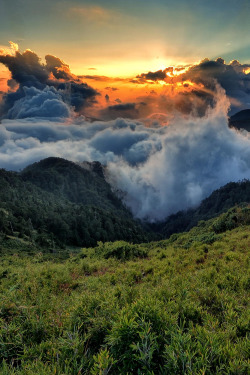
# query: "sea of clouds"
{"points": [[158, 169]]}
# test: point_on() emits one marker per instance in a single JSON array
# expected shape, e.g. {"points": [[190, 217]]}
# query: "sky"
{"points": [[144, 87], [123, 38]]}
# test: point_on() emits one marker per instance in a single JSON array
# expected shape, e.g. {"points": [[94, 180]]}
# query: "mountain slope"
{"points": [[73, 182], [219, 201], [56, 203]]}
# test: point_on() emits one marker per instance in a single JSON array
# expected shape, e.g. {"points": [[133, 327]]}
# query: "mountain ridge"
{"points": [[56, 202]]}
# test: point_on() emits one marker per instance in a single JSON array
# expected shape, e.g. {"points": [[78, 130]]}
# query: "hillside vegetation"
{"points": [[55, 203], [176, 306]]}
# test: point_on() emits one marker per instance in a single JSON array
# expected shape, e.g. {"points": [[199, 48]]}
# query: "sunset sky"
{"points": [[124, 38]]}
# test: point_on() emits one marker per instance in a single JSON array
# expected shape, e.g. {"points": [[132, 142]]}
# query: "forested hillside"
{"points": [[56, 203], [219, 201]]}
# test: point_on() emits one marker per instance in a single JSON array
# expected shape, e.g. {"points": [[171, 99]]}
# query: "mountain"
{"points": [[55, 203], [230, 195], [81, 184], [241, 120]]}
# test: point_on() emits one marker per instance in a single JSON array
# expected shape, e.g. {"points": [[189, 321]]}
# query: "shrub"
{"points": [[120, 250]]}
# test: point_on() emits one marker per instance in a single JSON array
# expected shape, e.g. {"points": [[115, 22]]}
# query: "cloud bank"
{"points": [[160, 170]]}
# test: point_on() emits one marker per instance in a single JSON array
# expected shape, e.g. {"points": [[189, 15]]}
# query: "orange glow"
{"points": [[176, 71], [5, 76], [130, 90], [247, 71], [127, 89]]}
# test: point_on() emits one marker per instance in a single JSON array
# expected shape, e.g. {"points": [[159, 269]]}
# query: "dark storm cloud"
{"points": [[52, 79]]}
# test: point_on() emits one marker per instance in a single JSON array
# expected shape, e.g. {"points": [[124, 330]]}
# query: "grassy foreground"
{"points": [[178, 306]]}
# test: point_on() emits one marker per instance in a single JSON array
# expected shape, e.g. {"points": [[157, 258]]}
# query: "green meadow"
{"points": [[176, 306]]}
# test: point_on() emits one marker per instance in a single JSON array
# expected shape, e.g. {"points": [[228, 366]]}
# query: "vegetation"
{"points": [[176, 306], [219, 201], [55, 203]]}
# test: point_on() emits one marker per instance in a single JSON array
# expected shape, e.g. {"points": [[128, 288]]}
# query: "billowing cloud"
{"points": [[46, 103], [32, 78], [200, 82], [160, 170], [233, 78]]}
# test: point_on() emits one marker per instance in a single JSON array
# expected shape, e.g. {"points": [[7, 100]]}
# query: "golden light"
{"points": [[176, 71]]}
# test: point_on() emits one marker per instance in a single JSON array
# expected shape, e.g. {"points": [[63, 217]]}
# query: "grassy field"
{"points": [[178, 306]]}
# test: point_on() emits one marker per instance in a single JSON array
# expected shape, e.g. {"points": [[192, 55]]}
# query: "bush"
{"points": [[120, 250]]}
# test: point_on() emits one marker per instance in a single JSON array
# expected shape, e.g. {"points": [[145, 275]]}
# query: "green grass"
{"points": [[178, 306]]}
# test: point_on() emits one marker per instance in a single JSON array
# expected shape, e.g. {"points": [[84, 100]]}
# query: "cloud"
{"points": [[58, 68], [127, 110], [111, 88], [160, 170], [103, 78], [188, 90], [30, 77], [46, 103], [231, 77], [198, 84], [195, 157], [159, 75]]}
